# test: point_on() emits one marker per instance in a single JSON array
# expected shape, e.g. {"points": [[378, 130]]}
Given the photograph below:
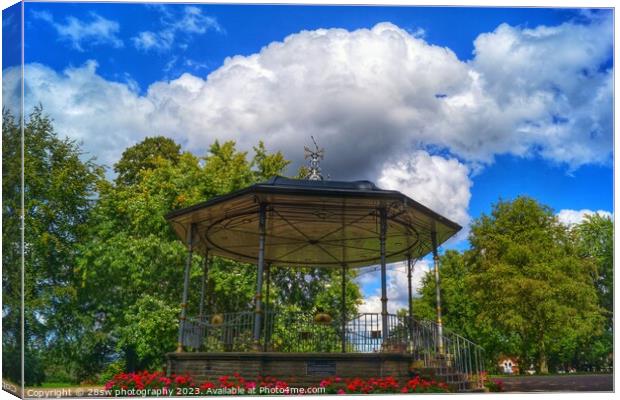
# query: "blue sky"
{"points": [[213, 47], [457, 107]]}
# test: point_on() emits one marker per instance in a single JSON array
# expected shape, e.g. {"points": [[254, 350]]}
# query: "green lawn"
{"points": [[501, 376]]}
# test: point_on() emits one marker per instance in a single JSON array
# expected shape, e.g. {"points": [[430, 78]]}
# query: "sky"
{"points": [[456, 107]]}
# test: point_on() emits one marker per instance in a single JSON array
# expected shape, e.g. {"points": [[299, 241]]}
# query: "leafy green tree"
{"points": [[104, 268], [11, 248], [458, 309], [155, 329], [594, 237], [134, 251], [144, 156], [59, 190], [523, 288], [529, 282], [265, 165]]}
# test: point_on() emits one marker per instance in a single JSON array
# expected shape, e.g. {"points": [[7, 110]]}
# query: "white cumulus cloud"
{"points": [[369, 96], [106, 116], [442, 184], [397, 286], [574, 217]]}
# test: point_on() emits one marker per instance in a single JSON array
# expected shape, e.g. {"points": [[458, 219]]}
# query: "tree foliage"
{"points": [[133, 250], [594, 237], [524, 287], [59, 190], [145, 156], [104, 270]]}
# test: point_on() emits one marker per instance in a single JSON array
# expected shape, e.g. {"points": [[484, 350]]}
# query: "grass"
{"points": [[54, 385], [61, 385], [502, 376]]}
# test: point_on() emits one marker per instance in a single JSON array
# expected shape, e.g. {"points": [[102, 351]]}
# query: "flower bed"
{"points": [[494, 385], [157, 384], [491, 385], [382, 385], [148, 383]]}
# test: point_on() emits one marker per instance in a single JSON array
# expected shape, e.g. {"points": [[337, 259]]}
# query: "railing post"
{"points": [[188, 264], [437, 290], [343, 310], [384, 299], [259, 276]]}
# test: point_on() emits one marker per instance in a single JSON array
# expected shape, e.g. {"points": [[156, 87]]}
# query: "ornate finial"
{"points": [[314, 155]]}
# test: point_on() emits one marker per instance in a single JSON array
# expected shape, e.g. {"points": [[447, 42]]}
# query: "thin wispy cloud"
{"points": [[176, 29], [92, 31]]}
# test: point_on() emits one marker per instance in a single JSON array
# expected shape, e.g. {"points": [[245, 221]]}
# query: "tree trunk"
{"points": [[543, 368], [542, 364]]}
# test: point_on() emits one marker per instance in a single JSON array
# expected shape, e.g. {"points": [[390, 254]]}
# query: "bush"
{"points": [[113, 369], [494, 385]]}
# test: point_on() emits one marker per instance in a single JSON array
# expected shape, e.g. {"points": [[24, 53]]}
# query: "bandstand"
{"points": [[295, 223]]}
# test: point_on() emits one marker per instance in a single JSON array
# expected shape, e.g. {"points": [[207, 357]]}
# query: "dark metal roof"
{"points": [[308, 184], [313, 223]]}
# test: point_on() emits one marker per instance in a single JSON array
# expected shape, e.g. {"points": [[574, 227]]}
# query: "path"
{"points": [[559, 383]]}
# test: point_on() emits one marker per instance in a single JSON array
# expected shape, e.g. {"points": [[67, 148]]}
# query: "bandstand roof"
{"points": [[313, 223]]}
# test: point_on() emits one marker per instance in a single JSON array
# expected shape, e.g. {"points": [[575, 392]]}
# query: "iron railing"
{"points": [[454, 358], [457, 359]]}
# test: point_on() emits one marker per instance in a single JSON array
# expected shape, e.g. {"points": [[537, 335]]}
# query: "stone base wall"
{"points": [[297, 369]]}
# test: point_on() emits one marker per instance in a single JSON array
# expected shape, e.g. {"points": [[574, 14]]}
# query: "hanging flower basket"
{"points": [[217, 319], [322, 318]]}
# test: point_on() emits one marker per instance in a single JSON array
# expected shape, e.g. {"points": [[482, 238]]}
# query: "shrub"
{"points": [[494, 385]]}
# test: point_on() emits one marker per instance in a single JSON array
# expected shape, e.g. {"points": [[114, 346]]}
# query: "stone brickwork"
{"points": [[299, 369]]}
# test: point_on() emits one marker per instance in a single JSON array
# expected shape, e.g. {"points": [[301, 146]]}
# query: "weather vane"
{"points": [[314, 173]]}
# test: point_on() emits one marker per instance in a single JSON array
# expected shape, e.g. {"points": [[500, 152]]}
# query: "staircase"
{"points": [[447, 356]]}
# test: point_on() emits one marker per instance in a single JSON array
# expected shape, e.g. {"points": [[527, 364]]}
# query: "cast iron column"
{"points": [[259, 276], [343, 308], [267, 319], [410, 298], [437, 290], [188, 264], [203, 288], [384, 299]]}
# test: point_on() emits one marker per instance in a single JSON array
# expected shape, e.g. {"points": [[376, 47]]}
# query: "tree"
{"points": [[144, 156], [594, 237], [133, 251], [457, 307], [11, 248], [525, 287], [59, 189], [529, 282], [459, 310]]}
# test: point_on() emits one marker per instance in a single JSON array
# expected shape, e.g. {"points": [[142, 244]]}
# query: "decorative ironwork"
{"points": [[314, 165], [456, 359]]}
